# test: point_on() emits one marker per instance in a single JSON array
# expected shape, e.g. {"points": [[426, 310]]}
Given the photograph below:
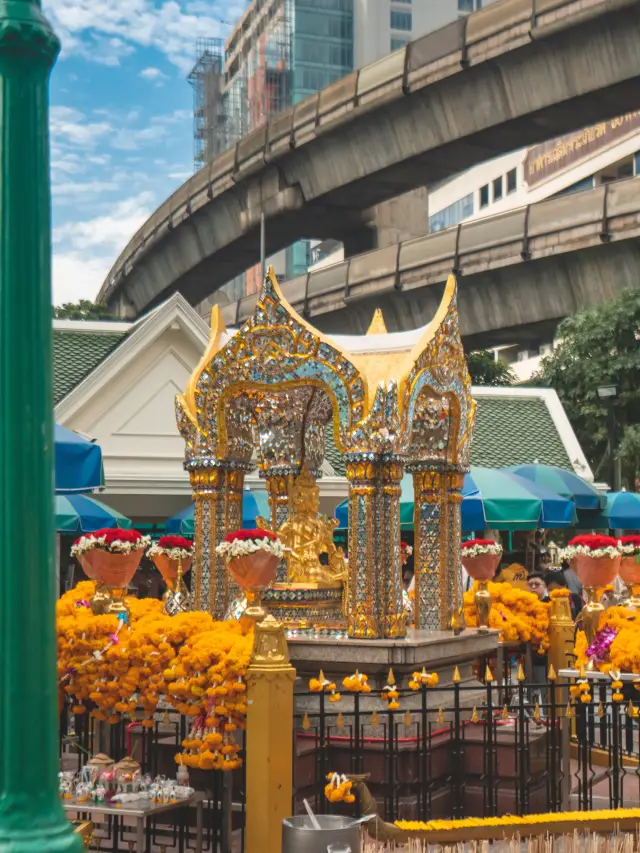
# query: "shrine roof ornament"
{"points": [[404, 393]]}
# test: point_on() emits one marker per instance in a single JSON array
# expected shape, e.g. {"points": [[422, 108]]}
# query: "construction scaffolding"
{"points": [[210, 120]]}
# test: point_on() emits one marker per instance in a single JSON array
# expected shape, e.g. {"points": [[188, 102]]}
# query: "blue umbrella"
{"points": [[622, 512], [253, 505], [78, 463], [492, 498], [81, 514], [562, 482]]}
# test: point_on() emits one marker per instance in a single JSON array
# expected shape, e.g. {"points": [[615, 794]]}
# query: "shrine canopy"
{"points": [[275, 384]]}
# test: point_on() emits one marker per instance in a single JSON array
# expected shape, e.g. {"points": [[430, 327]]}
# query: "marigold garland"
{"points": [[515, 820], [423, 679], [338, 789], [624, 650], [190, 661], [357, 683], [519, 615]]}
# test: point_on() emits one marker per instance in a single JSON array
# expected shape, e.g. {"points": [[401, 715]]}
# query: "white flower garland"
{"points": [[572, 551], [118, 546], [482, 550], [628, 549], [243, 547], [406, 549], [172, 553]]}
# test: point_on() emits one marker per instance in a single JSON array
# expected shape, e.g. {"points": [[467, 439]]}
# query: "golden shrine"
{"points": [[394, 402]]}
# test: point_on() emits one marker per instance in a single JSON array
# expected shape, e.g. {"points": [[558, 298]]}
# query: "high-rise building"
{"points": [[282, 51]]}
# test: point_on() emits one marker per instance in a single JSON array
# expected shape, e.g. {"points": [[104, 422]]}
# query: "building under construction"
{"points": [[278, 53], [238, 86]]}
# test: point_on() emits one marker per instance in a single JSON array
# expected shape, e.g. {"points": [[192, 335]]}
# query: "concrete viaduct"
{"points": [[519, 273], [512, 74]]}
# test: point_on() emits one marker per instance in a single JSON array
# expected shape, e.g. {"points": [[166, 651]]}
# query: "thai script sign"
{"points": [[546, 160]]}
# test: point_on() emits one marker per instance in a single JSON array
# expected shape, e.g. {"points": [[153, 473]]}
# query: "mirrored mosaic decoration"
{"points": [[268, 392]]}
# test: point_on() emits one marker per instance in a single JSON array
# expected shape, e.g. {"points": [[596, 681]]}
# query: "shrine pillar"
{"points": [[436, 556], [452, 563], [217, 494], [430, 530], [374, 588], [280, 488]]}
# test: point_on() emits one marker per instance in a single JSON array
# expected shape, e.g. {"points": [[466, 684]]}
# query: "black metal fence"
{"points": [[446, 752], [464, 751]]}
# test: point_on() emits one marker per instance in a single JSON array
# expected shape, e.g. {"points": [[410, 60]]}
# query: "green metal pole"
{"points": [[31, 816]]}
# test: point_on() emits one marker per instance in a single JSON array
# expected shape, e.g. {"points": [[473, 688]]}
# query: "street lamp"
{"points": [[608, 394], [31, 816]]}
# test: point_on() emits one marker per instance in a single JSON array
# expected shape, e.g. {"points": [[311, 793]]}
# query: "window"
{"points": [[497, 188], [396, 43], [512, 181], [453, 214], [401, 21], [465, 5], [484, 195]]}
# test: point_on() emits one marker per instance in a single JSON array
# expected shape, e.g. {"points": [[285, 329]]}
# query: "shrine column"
{"points": [[452, 563], [374, 588], [393, 616], [430, 532], [217, 493], [280, 487]]}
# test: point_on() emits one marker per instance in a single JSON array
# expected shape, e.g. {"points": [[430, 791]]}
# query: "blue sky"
{"points": [[121, 123]]}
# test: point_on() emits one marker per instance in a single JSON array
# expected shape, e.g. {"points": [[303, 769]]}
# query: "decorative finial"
{"points": [[456, 676], [488, 675], [377, 326]]}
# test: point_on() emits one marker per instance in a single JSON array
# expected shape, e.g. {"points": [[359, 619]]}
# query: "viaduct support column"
{"points": [[31, 817]]}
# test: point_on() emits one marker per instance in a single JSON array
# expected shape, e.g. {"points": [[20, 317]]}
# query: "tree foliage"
{"points": [[598, 347], [82, 310], [485, 370]]}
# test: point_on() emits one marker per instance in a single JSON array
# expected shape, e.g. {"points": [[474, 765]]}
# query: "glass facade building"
{"points": [[322, 52]]}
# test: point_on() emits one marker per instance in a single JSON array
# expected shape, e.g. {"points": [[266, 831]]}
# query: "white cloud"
{"points": [[71, 189], [70, 125], [152, 74], [85, 251], [76, 276], [166, 25]]}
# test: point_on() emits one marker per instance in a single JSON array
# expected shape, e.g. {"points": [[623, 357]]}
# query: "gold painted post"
{"points": [[270, 680], [561, 641]]}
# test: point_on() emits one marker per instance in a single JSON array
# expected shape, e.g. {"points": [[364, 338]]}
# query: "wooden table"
{"points": [[140, 811]]}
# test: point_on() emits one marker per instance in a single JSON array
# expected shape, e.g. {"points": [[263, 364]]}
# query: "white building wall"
{"points": [[372, 24], [484, 174]]}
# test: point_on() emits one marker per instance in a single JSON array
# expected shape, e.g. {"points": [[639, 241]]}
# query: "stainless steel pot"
{"points": [[298, 836]]}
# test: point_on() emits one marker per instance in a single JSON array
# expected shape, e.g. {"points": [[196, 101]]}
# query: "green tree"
{"points": [[82, 310], [485, 370], [598, 347]]}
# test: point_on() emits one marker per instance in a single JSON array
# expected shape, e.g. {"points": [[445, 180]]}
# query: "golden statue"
{"points": [[307, 535]]}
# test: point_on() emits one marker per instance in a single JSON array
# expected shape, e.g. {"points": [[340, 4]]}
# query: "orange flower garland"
{"points": [[338, 789], [520, 616], [624, 651], [189, 660]]}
